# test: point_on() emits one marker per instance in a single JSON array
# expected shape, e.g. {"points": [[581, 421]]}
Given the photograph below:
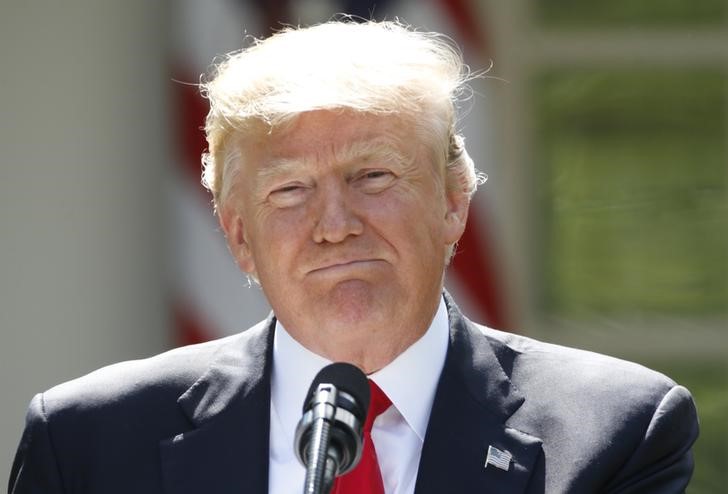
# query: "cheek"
{"points": [[426, 203], [278, 237], [410, 217]]}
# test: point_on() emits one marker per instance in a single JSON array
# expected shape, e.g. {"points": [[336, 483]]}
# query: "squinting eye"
{"points": [[374, 181], [287, 188], [287, 196], [375, 174]]}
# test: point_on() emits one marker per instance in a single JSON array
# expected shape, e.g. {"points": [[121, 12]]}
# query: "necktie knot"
{"points": [[379, 402]]}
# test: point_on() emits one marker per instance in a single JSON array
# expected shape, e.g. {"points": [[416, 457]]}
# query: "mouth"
{"points": [[346, 266]]}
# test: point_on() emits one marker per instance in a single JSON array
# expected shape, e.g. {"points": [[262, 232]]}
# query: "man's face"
{"points": [[345, 221]]}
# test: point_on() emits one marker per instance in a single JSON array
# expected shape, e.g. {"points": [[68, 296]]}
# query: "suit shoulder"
{"points": [[556, 366], [157, 380]]}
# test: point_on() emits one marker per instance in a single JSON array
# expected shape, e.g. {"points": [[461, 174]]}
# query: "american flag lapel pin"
{"points": [[499, 459]]}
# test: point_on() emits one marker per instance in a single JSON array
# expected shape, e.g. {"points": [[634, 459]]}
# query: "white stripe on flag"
{"points": [[497, 458]]}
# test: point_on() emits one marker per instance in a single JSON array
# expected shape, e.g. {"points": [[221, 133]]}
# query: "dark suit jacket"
{"points": [[196, 419]]}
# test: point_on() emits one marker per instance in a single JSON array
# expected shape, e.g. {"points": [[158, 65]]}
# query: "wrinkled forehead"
{"points": [[366, 150], [344, 135]]}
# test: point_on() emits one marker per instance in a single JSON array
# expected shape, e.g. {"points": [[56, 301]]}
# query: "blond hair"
{"points": [[370, 67]]}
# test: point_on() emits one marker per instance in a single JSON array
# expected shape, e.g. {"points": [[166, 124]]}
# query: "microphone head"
{"points": [[345, 377], [334, 412]]}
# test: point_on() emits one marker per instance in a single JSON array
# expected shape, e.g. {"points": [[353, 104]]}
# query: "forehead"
{"points": [[316, 134]]}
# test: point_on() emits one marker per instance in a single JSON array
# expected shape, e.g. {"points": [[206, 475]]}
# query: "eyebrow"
{"points": [[381, 148]]}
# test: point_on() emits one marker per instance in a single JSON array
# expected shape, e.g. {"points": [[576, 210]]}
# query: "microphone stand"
{"points": [[321, 460]]}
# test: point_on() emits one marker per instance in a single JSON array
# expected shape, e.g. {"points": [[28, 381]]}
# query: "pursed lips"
{"points": [[344, 264]]}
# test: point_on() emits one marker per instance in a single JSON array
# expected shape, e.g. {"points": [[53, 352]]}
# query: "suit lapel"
{"points": [[473, 403], [229, 407]]}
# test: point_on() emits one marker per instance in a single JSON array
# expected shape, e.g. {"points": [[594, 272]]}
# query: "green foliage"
{"points": [[634, 191], [628, 13]]}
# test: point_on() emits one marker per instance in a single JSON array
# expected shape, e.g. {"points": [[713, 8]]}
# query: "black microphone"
{"points": [[329, 435]]}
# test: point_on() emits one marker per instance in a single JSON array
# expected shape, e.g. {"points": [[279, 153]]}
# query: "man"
{"points": [[342, 187]]}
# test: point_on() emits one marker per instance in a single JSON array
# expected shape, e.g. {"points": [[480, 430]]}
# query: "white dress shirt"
{"points": [[410, 382]]}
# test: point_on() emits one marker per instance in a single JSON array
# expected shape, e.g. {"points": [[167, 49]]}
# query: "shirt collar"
{"points": [[294, 367], [410, 380]]}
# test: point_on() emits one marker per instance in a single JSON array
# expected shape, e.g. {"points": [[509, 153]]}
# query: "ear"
{"points": [[231, 222], [456, 215]]}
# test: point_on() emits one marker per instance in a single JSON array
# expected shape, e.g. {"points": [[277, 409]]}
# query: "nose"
{"points": [[335, 217]]}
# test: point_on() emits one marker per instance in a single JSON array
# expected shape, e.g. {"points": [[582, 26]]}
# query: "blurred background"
{"points": [[603, 127]]}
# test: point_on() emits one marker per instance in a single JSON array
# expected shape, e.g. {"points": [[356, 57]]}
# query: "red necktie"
{"points": [[366, 477]]}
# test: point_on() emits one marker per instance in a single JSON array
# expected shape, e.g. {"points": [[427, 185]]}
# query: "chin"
{"points": [[358, 300]]}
